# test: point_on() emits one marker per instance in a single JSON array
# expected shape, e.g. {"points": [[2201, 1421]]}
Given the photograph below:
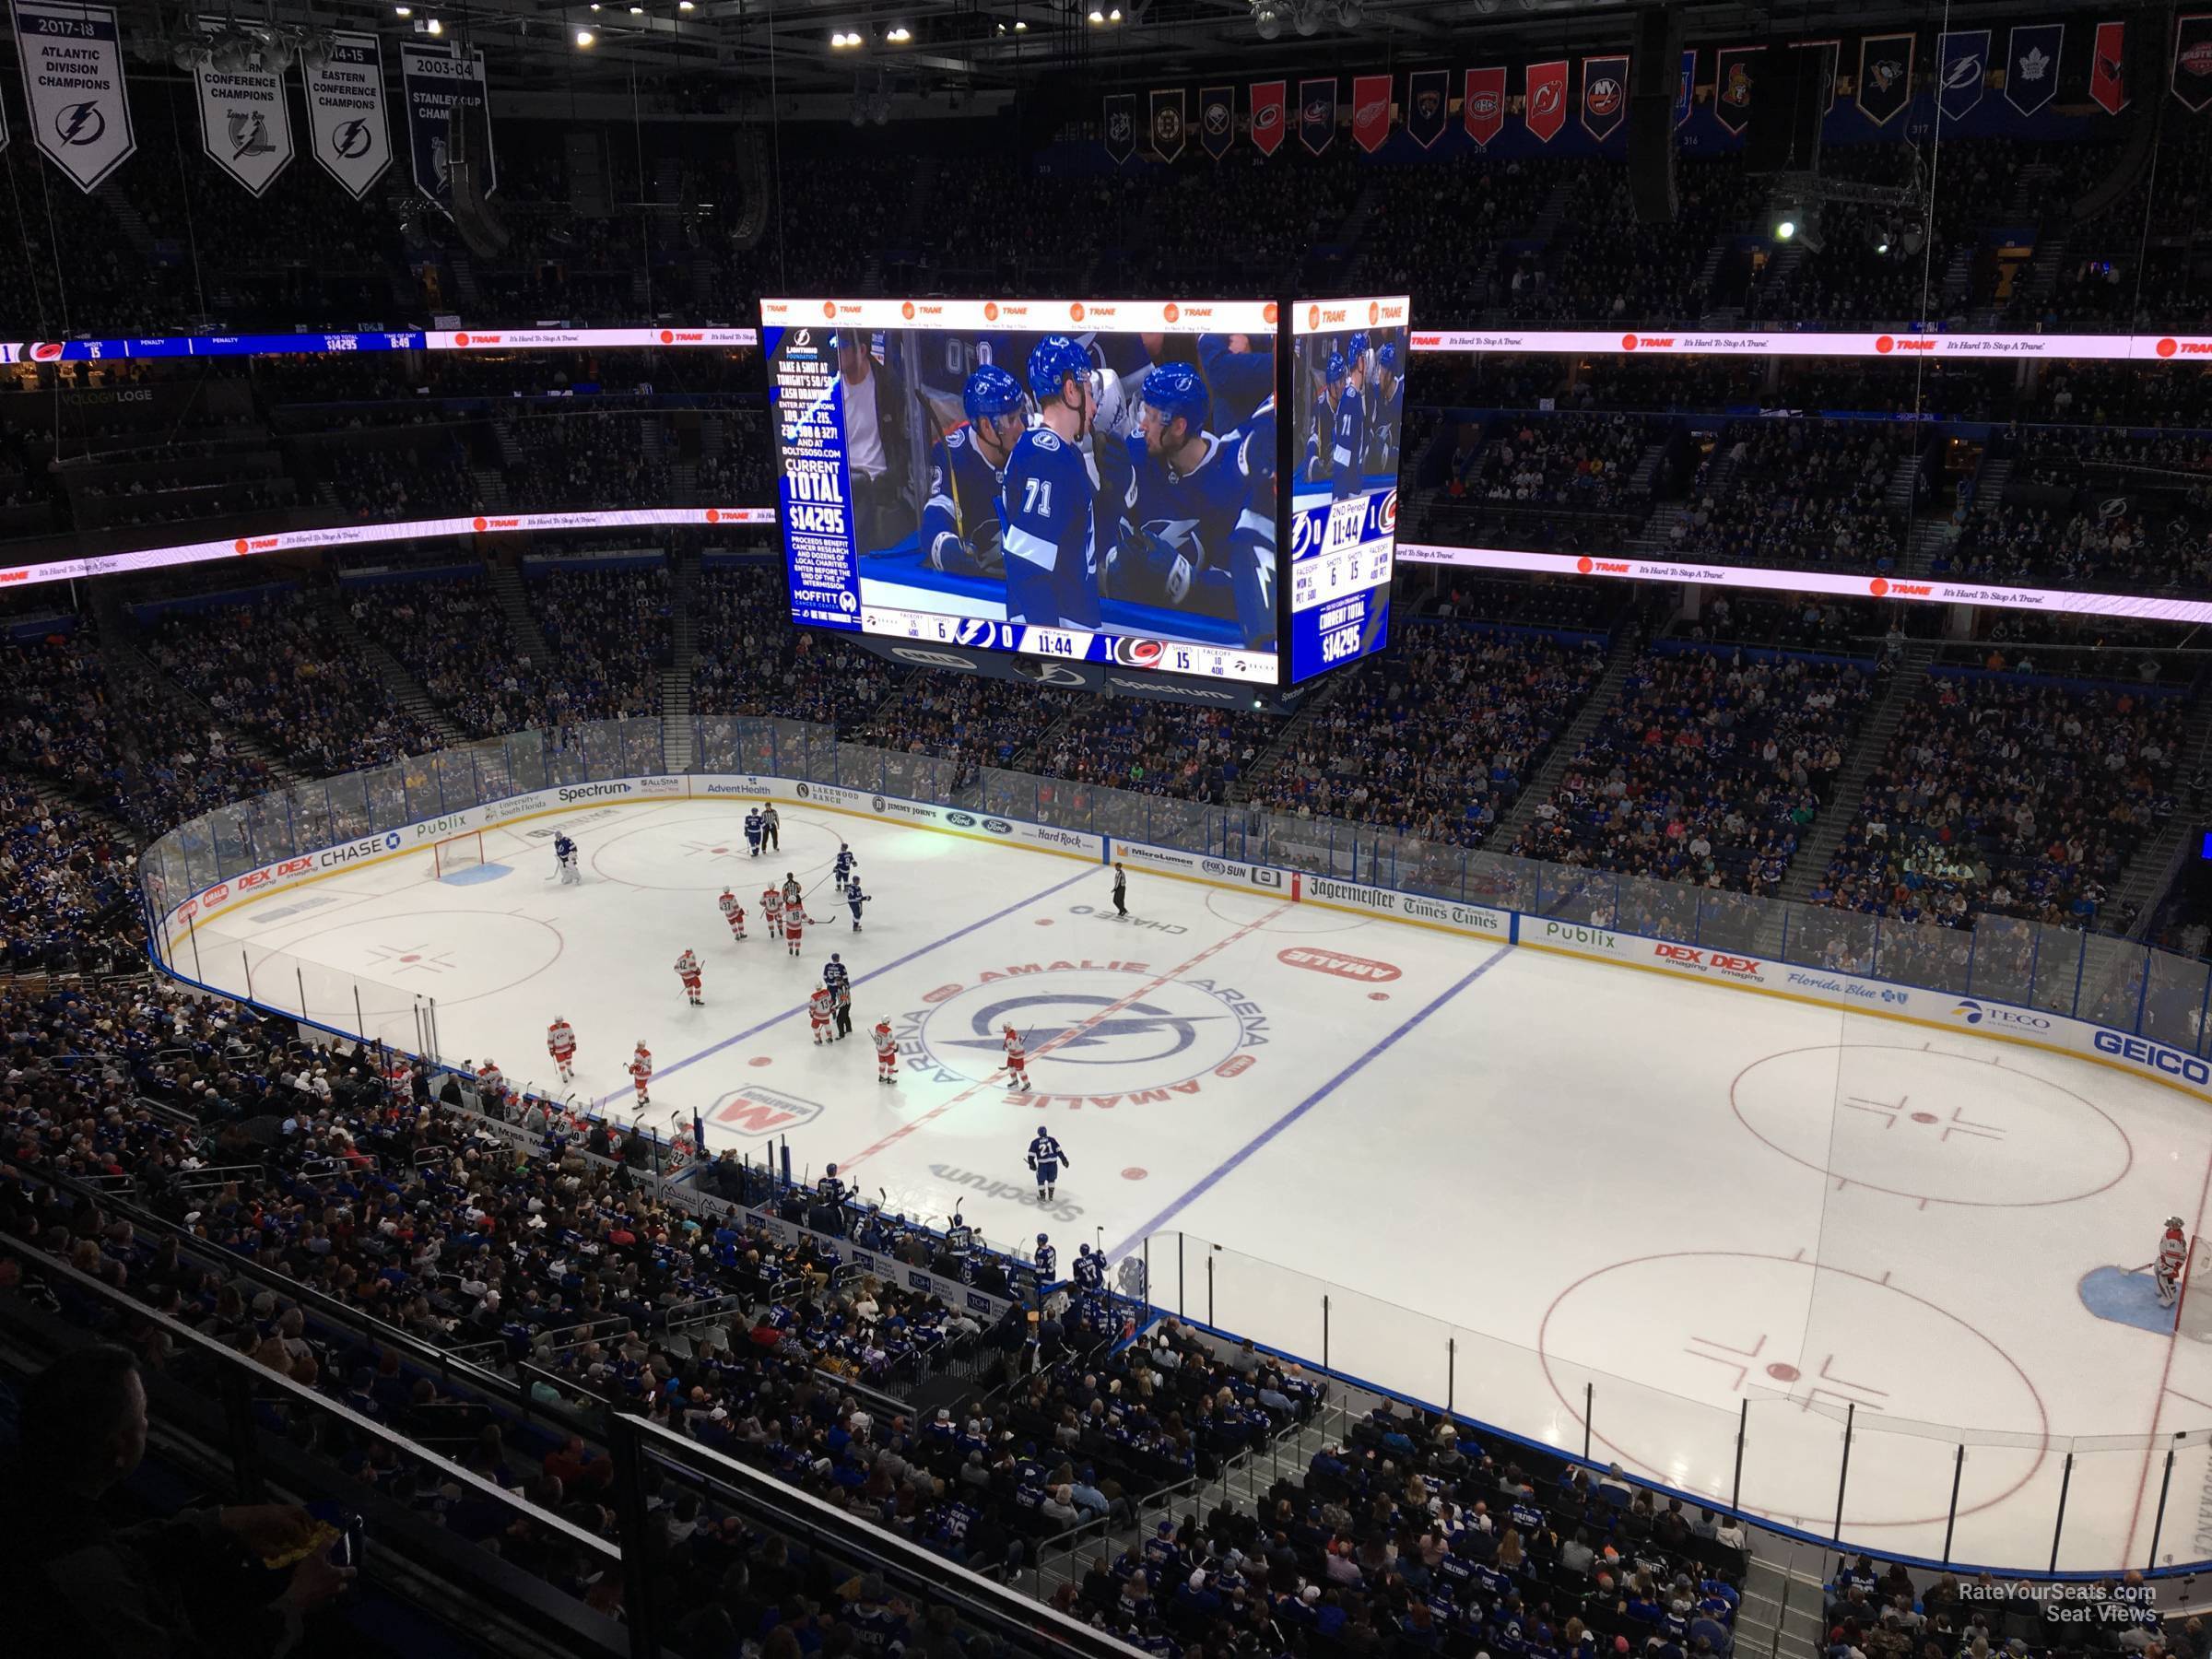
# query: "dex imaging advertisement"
{"points": [[1087, 480], [1347, 398]]}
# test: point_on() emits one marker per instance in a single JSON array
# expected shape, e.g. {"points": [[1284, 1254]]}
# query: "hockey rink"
{"points": [[1577, 1200]]}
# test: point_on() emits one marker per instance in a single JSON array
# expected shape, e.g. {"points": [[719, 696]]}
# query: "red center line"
{"points": [[1072, 1031], [2135, 1517]]}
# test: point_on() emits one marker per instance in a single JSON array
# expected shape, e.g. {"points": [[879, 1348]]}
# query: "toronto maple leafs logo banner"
{"points": [[1885, 76], [1216, 119], [1121, 127], [1428, 93], [2192, 61], [438, 84], [2031, 65], [245, 118], [1961, 68], [72, 58], [1167, 124], [346, 132]]}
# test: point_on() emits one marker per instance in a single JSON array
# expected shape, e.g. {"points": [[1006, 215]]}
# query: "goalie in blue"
{"points": [[960, 522], [1183, 512], [1051, 558]]}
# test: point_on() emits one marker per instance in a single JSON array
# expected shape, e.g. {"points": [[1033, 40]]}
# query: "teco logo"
{"points": [[990, 310], [1172, 312], [1075, 312], [906, 310]]}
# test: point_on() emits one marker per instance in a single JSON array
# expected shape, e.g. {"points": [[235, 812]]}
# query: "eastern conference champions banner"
{"points": [[345, 113], [245, 118], [72, 58], [437, 83]]}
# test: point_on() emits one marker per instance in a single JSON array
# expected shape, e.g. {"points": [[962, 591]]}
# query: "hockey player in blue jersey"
{"points": [[843, 869], [1348, 426], [1385, 413], [1051, 530], [755, 828], [1252, 547], [960, 521], [1046, 1159], [1180, 511]]}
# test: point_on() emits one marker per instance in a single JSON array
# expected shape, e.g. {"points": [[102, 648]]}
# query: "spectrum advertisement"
{"points": [[1349, 408], [1091, 481]]}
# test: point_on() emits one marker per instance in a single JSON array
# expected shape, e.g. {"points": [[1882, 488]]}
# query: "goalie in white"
{"points": [[2173, 1256]]}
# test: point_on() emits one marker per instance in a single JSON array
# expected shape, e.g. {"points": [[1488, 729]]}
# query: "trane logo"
{"points": [[1647, 342], [1603, 567], [1715, 960], [1882, 587], [1888, 343], [1343, 967], [1328, 316]]}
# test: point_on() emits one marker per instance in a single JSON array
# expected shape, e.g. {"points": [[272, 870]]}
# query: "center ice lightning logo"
{"points": [[1099, 1034]]}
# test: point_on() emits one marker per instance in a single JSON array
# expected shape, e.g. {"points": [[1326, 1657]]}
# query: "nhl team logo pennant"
{"points": [[1604, 95], [2031, 58], [1217, 120], [1483, 108], [1732, 73], [1428, 91], [1961, 68], [1119, 131], [1268, 115], [1686, 88], [2192, 61], [1167, 124], [1885, 76], [2108, 68], [1317, 114], [1544, 99], [346, 126], [1371, 110], [73, 86]]}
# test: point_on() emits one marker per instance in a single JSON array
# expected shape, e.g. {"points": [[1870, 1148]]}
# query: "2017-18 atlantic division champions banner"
{"points": [[346, 124], [245, 120], [73, 91], [436, 83]]}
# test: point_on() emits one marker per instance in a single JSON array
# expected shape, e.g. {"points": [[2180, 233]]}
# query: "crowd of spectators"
{"points": [[1571, 462], [1154, 747], [1793, 492], [60, 873], [971, 722], [384, 483], [609, 634], [1707, 769], [752, 661], [451, 634], [2008, 793]]}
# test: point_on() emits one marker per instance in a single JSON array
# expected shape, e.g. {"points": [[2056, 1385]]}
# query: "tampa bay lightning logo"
{"points": [[350, 139], [1088, 1030], [80, 122]]}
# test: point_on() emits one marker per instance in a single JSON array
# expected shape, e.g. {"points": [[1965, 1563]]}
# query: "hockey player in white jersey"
{"points": [[887, 1053], [732, 913], [1047, 1159], [687, 969], [771, 908], [640, 1073], [1018, 1060], [560, 1043], [2173, 1257]]}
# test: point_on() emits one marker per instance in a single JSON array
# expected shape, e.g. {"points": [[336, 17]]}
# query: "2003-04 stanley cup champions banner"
{"points": [[436, 81], [346, 124], [73, 89], [245, 118]]}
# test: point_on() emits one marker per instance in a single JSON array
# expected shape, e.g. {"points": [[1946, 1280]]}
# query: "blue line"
{"points": [[862, 979], [1207, 1183]]}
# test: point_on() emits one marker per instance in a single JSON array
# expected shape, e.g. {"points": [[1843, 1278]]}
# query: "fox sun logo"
{"points": [[1100, 1033]]}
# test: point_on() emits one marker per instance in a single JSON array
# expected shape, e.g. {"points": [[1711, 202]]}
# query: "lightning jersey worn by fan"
{"points": [[960, 521], [1051, 534]]}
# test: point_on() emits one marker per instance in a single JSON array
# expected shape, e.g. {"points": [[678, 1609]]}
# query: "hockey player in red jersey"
{"points": [[560, 1043], [687, 969], [2173, 1256], [887, 1053], [819, 1008], [732, 913], [1018, 1060], [794, 922], [640, 1073]]}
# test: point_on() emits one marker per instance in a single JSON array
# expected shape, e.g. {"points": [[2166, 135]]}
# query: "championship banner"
{"points": [[2108, 68], [1371, 110], [1685, 92], [1317, 114], [73, 90], [245, 118], [1961, 70], [1216, 119], [435, 83], [1604, 95], [1268, 116], [1428, 94], [1544, 99], [1885, 76], [346, 124], [1167, 124], [1483, 109], [1121, 127], [1733, 71], [2031, 58], [2192, 61]]}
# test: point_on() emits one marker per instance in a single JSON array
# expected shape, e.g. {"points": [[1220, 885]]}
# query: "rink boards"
{"points": [[1977, 1016]]}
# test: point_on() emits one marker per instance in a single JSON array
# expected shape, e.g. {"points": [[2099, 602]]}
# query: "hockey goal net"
{"points": [[456, 852], [2193, 1317]]}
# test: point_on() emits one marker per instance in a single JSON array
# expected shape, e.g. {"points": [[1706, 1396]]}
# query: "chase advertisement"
{"points": [[1347, 386], [1086, 480]]}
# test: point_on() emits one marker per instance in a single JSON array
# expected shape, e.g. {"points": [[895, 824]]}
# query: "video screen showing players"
{"points": [[1087, 480], [1348, 369]]}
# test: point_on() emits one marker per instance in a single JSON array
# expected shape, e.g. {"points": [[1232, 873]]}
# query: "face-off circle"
{"points": [[1930, 1125], [454, 956], [705, 851]]}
